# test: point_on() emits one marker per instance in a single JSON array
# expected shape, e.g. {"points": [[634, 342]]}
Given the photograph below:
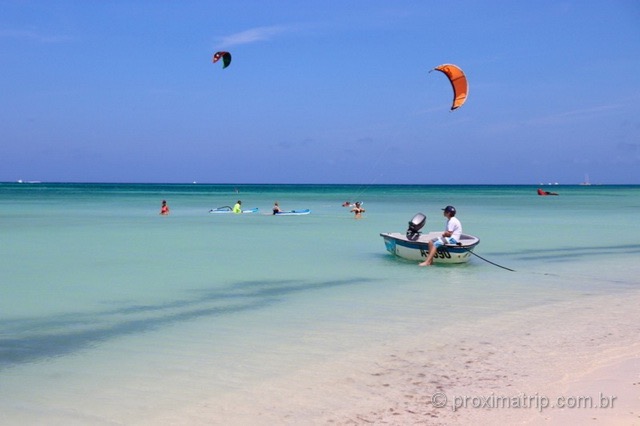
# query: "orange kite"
{"points": [[458, 82]]}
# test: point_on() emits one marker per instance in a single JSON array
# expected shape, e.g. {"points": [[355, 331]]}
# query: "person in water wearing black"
{"points": [[357, 210]]}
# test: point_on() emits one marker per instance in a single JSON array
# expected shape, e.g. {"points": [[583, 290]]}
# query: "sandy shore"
{"points": [[516, 368], [616, 394]]}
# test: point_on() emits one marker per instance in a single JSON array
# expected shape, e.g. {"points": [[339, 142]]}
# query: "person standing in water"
{"points": [[164, 209], [357, 210]]}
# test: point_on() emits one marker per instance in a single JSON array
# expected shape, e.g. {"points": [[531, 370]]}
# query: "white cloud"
{"points": [[252, 35], [580, 114]]}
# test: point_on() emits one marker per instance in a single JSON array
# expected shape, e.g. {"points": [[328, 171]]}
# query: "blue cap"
{"points": [[450, 209]]}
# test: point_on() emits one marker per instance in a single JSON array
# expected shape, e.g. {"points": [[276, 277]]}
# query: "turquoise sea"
{"points": [[110, 312]]}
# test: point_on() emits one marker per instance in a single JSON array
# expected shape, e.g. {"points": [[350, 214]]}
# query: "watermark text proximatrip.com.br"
{"points": [[535, 401]]}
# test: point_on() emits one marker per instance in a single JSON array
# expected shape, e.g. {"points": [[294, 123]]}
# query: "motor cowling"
{"points": [[415, 225]]}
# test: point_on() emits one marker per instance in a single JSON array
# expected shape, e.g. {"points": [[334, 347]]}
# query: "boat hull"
{"points": [[418, 249]]}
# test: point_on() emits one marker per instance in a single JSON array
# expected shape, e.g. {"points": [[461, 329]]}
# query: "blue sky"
{"points": [[319, 92]]}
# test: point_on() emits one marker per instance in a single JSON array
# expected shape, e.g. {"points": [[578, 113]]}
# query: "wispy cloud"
{"points": [[30, 35], [252, 35], [557, 118], [291, 145], [583, 113]]}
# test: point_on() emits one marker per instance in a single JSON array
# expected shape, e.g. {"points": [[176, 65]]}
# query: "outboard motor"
{"points": [[415, 225]]}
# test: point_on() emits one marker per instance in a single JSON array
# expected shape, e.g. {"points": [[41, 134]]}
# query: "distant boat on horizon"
{"points": [[586, 180]]}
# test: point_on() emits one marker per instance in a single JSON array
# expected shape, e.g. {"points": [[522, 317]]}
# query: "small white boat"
{"points": [[293, 212], [418, 249], [227, 209], [414, 245]]}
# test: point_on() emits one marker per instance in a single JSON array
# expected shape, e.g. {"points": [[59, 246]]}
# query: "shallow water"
{"points": [[109, 310]]}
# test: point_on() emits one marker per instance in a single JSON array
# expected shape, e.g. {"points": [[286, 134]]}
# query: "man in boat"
{"points": [[451, 234], [238, 207]]}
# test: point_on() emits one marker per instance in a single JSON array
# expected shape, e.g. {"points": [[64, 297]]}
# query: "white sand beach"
{"points": [[512, 369]]}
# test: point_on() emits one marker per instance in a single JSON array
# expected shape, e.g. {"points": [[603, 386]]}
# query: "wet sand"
{"points": [[517, 368]]}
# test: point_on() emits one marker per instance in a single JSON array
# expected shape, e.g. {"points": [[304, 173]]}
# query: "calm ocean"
{"points": [[109, 310]]}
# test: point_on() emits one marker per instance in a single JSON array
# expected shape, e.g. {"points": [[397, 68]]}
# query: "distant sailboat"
{"points": [[586, 180]]}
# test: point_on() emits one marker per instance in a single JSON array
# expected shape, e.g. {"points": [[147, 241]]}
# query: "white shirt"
{"points": [[455, 227]]}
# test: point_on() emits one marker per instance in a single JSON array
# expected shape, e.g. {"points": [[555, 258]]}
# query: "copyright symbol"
{"points": [[439, 399]]}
